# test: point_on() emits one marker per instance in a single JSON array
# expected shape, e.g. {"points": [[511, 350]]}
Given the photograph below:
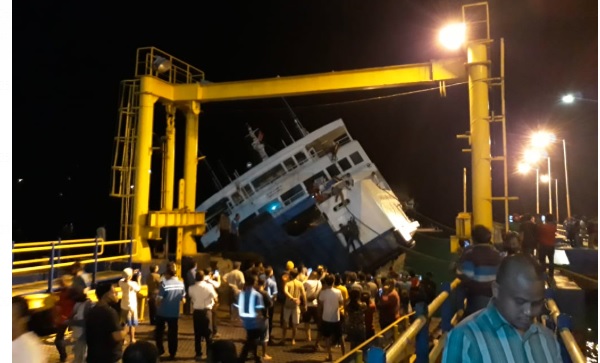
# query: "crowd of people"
{"points": [[347, 307]]}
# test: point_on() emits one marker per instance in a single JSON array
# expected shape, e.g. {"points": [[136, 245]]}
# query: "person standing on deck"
{"points": [[129, 290]]}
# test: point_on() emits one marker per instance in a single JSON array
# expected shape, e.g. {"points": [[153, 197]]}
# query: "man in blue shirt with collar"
{"points": [[170, 295], [504, 331], [271, 288]]}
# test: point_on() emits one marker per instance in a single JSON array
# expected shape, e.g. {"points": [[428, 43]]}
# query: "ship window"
{"points": [[319, 178], [344, 164], [268, 177], [248, 189], [356, 158], [333, 170], [293, 194], [237, 198], [300, 158], [290, 164]]}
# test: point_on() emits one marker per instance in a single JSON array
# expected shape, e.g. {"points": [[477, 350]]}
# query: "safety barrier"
{"points": [[569, 349], [419, 329], [54, 260]]}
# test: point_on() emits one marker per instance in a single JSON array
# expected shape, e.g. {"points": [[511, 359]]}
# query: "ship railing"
{"points": [[317, 154], [54, 248], [417, 332]]}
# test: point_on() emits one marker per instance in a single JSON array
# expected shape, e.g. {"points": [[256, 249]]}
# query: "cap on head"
{"points": [[289, 265]]}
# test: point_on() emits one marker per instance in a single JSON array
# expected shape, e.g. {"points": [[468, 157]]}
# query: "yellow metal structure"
{"points": [[166, 79], [182, 87]]}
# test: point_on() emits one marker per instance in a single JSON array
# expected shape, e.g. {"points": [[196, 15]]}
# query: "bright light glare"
{"points": [[541, 139], [532, 156], [568, 98], [544, 178], [523, 168], [453, 36]]}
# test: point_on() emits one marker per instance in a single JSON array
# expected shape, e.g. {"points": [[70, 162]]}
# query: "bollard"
{"points": [[564, 321], [422, 343], [95, 262], [447, 309], [375, 355], [51, 274], [130, 252]]}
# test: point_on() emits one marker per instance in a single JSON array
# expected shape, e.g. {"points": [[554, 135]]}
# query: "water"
{"points": [[589, 340]]}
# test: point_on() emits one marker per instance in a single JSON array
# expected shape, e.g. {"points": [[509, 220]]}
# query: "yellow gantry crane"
{"points": [[177, 85]]}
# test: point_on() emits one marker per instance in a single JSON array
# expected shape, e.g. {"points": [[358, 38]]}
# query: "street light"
{"points": [[570, 98], [453, 36], [543, 139]]}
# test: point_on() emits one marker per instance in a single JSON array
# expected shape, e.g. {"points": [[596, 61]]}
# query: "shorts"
{"points": [[129, 316], [294, 313], [312, 313], [330, 329], [264, 336]]}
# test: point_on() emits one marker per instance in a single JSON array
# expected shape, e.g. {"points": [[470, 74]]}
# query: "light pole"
{"points": [[549, 188], [556, 198], [566, 180]]}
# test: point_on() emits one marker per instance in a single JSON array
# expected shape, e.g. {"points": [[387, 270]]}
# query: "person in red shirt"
{"points": [[389, 305], [63, 311], [546, 237]]}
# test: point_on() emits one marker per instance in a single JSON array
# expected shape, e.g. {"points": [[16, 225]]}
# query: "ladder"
{"points": [[123, 170]]}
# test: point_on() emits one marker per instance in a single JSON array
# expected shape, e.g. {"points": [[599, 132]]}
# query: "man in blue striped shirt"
{"points": [[504, 331], [251, 306], [170, 295]]}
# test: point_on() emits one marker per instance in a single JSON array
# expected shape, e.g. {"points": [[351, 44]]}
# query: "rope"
{"points": [[406, 249]]}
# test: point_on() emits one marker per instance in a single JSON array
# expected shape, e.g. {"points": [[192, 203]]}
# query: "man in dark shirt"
{"points": [[546, 235], [104, 334], [477, 268], [527, 232]]}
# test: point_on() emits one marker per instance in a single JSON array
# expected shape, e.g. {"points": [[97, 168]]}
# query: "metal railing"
{"points": [[54, 259], [570, 351]]}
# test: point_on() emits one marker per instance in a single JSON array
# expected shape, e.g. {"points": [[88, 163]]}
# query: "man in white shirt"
{"points": [[313, 287], [235, 279], [26, 345], [330, 302], [129, 290], [204, 297], [215, 280]]}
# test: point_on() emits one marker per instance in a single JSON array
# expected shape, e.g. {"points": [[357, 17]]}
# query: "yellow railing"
{"points": [[56, 243], [395, 351], [565, 334], [357, 352], [43, 246]]}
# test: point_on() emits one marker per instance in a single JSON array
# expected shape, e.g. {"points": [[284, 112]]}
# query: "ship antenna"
{"points": [[288, 132], [215, 179], [225, 171], [299, 126], [256, 143]]}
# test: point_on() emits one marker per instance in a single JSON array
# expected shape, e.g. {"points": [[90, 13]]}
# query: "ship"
{"points": [[318, 201]]}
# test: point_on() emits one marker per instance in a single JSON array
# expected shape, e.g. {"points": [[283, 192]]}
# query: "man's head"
{"points": [[481, 234], [511, 242], [171, 269], [519, 290], [20, 316], [105, 292], [199, 276], [328, 280], [269, 271], [293, 274], [154, 269], [388, 285], [127, 273], [237, 265], [141, 352], [250, 280], [237, 216]]}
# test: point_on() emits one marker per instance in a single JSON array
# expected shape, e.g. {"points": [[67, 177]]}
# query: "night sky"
{"points": [[69, 58]]}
